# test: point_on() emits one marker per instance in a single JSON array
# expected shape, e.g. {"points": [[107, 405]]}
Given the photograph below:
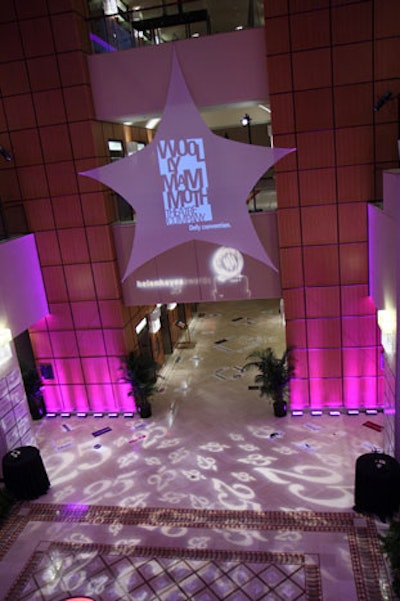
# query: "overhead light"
{"points": [[264, 108], [127, 122], [152, 123]]}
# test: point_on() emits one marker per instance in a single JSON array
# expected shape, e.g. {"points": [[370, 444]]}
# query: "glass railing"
{"points": [[170, 21]]}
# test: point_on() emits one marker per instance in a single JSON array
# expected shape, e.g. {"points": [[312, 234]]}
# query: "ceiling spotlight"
{"points": [[5, 154], [245, 120], [383, 100]]}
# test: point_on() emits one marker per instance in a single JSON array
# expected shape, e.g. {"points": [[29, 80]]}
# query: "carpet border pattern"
{"points": [[368, 565]]}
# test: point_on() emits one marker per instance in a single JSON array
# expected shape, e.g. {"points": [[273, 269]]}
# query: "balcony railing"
{"points": [[168, 22]]}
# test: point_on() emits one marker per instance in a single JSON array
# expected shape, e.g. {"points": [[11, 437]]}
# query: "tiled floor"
{"points": [[212, 448]]}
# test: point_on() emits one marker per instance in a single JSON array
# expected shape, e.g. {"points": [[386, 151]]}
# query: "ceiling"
{"points": [[224, 15]]}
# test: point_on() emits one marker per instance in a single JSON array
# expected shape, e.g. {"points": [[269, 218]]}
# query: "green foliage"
{"points": [[390, 542], [32, 382], [274, 373], [140, 371], [33, 388]]}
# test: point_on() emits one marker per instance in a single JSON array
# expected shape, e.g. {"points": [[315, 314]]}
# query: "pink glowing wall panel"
{"points": [[22, 297]]}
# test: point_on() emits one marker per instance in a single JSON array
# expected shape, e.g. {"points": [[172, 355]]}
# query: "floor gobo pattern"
{"points": [[125, 571], [212, 482]]}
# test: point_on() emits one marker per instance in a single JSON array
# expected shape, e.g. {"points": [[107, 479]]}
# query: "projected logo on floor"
{"points": [[188, 186]]}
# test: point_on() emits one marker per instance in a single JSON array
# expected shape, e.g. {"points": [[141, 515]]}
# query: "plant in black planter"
{"points": [[33, 388], [390, 542], [140, 371], [273, 377]]}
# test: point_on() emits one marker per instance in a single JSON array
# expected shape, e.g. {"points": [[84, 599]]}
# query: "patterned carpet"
{"points": [[202, 567]]}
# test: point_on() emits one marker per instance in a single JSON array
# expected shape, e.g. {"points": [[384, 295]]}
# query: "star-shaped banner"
{"points": [[189, 184]]}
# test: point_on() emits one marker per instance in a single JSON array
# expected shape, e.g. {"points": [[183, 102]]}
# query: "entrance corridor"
{"points": [[211, 498]]}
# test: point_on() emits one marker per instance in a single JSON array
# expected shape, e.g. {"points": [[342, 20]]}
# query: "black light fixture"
{"points": [[5, 154], [246, 122], [383, 100], [387, 97]]}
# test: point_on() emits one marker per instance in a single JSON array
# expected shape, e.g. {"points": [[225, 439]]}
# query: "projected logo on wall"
{"points": [[188, 189], [183, 172]]}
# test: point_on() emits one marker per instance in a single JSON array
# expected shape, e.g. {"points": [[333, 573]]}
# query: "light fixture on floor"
{"points": [[79, 599], [297, 413], [316, 412]]}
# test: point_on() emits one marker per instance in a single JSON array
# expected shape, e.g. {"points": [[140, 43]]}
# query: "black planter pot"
{"points": [[144, 410], [280, 408]]}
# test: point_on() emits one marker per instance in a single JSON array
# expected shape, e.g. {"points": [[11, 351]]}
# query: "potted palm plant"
{"points": [[273, 377], [390, 543], [140, 371], [33, 389]]}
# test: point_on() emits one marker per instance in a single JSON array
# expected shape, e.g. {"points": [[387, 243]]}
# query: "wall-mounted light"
{"points": [[5, 348], [5, 336], [383, 100], [387, 97], [141, 325], [5, 154], [387, 326], [246, 121]]}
